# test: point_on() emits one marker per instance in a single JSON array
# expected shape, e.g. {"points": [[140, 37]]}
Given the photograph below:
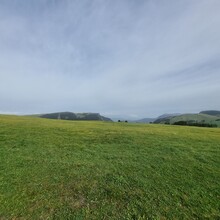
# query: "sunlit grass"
{"points": [[101, 170]]}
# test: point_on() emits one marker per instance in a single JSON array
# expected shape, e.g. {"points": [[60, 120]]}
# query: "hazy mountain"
{"points": [[144, 120], [165, 118], [168, 115], [201, 119], [75, 116], [211, 112]]}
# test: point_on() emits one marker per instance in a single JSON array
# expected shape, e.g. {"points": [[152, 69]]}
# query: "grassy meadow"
{"points": [[54, 169]]}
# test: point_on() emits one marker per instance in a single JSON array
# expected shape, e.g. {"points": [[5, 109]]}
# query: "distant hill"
{"points": [[74, 116], [197, 119], [144, 120], [203, 120], [168, 115], [165, 118], [211, 112]]}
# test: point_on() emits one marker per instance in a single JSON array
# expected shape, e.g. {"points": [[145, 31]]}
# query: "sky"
{"points": [[133, 58]]}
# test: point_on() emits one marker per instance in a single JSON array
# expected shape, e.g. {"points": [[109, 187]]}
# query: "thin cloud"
{"points": [[139, 58]]}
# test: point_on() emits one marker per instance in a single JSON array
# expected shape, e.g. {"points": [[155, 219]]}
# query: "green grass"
{"points": [[53, 169]]}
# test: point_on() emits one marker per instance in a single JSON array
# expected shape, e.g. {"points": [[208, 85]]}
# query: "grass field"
{"points": [[53, 169]]}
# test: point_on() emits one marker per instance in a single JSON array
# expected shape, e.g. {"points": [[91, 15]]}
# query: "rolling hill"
{"points": [[74, 116], [211, 112], [201, 119]]}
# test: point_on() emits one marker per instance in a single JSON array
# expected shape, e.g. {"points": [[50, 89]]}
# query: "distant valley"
{"points": [[210, 118]]}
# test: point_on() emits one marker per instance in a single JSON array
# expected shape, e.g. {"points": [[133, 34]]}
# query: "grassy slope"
{"points": [[96, 170], [209, 119], [211, 112]]}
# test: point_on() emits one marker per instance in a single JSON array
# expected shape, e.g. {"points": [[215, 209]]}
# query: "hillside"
{"points": [[196, 118], [168, 115], [165, 118], [60, 169], [203, 120], [211, 112], [75, 116]]}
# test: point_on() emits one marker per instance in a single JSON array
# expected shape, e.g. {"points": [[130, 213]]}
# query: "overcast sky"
{"points": [[139, 58]]}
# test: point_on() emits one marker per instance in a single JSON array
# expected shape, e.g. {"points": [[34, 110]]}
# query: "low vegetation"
{"points": [[55, 169]]}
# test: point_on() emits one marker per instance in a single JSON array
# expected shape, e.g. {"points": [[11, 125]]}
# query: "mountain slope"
{"points": [[211, 112], [75, 116], [195, 118], [165, 118], [191, 119]]}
